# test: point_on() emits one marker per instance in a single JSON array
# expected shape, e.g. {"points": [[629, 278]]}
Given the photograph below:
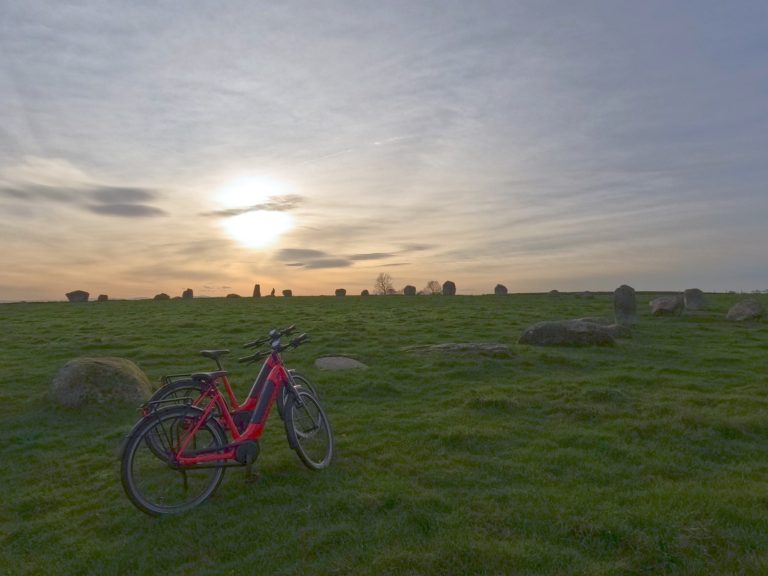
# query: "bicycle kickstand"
{"points": [[251, 475]]}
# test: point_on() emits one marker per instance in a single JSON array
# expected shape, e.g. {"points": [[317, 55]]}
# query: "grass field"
{"points": [[649, 457]]}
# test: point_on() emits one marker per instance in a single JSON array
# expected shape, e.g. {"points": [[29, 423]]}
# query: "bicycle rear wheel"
{"points": [[150, 479], [308, 429]]}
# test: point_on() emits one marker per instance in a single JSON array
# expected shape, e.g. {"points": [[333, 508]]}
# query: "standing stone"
{"points": [[341, 292], [500, 290], [365, 293], [102, 298], [409, 290], [694, 299], [78, 296], [287, 293], [749, 309], [257, 290], [625, 305], [187, 293], [449, 288]]}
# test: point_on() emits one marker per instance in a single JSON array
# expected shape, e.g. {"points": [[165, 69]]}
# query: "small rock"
{"points": [[233, 295], [102, 298], [365, 293], [409, 290], [338, 363], [341, 292], [187, 294], [287, 293]]}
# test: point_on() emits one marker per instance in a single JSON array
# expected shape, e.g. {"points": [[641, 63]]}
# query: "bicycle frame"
{"points": [[263, 395]]}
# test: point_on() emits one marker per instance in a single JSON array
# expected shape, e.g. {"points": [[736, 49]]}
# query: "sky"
{"points": [[151, 147]]}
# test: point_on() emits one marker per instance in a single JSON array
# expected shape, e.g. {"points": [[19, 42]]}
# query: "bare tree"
{"points": [[433, 287], [383, 284]]}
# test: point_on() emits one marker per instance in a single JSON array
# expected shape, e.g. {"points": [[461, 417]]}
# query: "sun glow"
{"points": [[251, 220]]}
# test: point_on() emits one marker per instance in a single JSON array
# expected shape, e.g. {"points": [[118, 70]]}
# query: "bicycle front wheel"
{"points": [[308, 429], [302, 382], [151, 480]]}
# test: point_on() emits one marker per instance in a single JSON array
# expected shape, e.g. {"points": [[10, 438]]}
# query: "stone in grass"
{"points": [[99, 382], [490, 348], [694, 300], [77, 296], [749, 309], [664, 305], [567, 333], [338, 363]]}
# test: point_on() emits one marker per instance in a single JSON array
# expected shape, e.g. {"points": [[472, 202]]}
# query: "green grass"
{"points": [[649, 457]]}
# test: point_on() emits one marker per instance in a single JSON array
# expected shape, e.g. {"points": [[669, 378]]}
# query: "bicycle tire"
{"points": [[178, 390], [151, 483], [302, 382], [309, 432]]}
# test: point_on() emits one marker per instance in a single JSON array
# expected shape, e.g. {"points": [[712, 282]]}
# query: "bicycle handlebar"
{"points": [[277, 346], [273, 335]]}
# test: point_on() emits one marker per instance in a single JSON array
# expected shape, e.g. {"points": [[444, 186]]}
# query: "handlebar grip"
{"points": [[299, 340], [287, 331]]}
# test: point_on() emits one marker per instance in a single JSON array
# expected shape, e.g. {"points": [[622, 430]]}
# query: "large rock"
{"points": [[287, 293], [693, 299], [409, 290], [567, 333], [78, 296], [365, 293], [749, 309], [666, 305], [162, 296], [257, 290], [188, 293], [99, 381], [625, 305], [500, 290], [449, 288], [341, 292]]}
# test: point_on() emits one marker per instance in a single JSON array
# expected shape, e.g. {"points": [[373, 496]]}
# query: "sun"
{"points": [[252, 224]]}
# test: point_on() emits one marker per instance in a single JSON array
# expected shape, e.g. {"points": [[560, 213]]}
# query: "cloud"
{"points": [[274, 204], [372, 256], [127, 210], [327, 263], [104, 200], [299, 254]]}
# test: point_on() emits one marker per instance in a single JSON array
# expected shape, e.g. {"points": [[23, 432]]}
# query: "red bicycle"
{"points": [[175, 456], [183, 389]]}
